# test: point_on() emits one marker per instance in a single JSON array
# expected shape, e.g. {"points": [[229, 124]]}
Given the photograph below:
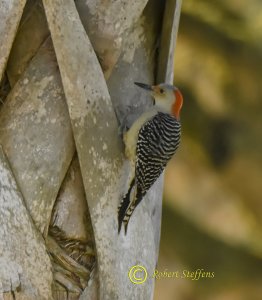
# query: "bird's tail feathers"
{"points": [[138, 196], [123, 206]]}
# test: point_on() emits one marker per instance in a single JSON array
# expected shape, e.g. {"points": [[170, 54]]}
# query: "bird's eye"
{"points": [[161, 91]]}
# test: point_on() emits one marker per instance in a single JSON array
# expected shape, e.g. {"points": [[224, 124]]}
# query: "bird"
{"points": [[150, 143]]}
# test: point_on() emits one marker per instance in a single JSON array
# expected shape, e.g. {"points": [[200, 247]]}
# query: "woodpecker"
{"points": [[149, 144]]}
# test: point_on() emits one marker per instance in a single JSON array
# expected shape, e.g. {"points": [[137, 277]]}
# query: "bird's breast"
{"points": [[131, 136]]}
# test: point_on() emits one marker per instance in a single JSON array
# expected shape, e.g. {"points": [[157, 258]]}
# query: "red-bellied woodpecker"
{"points": [[149, 145]]}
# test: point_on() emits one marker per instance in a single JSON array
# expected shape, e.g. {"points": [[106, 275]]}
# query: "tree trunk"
{"points": [[68, 71]]}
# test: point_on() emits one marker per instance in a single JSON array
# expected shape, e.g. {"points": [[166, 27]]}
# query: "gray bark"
{"points": [[36, 135], [32, 32], [10, 15], [22, 250]]}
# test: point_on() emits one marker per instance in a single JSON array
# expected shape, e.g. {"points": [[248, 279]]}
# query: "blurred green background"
{"points": [[212, 211]]}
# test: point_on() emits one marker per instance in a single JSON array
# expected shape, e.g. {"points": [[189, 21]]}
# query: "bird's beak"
{"points": [[144, 86]]}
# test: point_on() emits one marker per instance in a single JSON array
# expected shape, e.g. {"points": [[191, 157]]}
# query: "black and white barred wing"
{"points": [[158, 140]]}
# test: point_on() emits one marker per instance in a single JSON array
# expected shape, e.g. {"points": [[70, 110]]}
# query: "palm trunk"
{"points": [[69, 94]]}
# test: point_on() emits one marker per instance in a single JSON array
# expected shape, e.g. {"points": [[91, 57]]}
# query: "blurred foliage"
{"points": [[212, 216]]}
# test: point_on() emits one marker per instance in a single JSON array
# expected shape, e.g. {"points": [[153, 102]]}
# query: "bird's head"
{"points": [[167, 97]]}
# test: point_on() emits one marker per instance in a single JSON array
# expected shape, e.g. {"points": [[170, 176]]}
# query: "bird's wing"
{"points": [[157, 142]]}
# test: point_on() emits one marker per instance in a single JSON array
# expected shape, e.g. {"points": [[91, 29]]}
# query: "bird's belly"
{"points": [[130, 137]]}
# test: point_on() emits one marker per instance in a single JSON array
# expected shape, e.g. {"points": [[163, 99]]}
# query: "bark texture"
{"points": [[10, 15], [22, 250]]}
